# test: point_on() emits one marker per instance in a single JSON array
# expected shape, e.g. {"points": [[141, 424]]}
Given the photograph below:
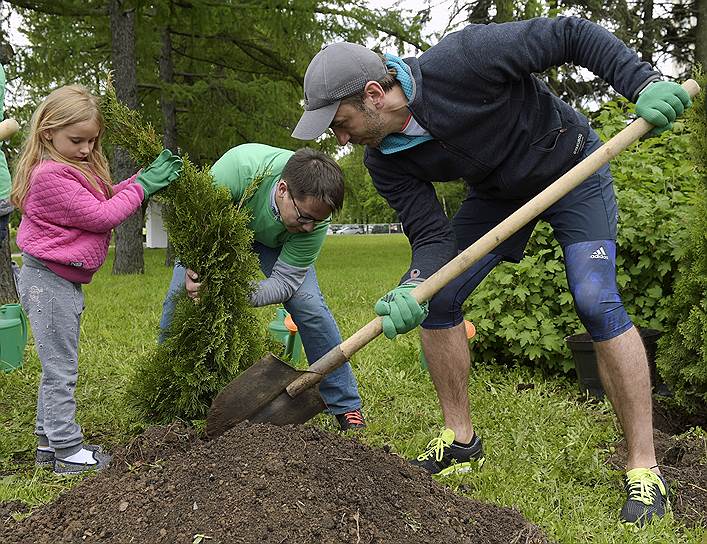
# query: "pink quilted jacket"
{"points": [[67, 223]]}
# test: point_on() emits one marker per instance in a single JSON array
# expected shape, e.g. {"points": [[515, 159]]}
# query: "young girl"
{"points": [[62, 185]]}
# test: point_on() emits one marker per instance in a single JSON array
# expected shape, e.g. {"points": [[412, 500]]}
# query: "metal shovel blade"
{"points": [[259, 395]]}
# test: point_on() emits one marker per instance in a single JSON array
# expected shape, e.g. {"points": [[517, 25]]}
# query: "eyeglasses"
{"points": [[303, 219]]}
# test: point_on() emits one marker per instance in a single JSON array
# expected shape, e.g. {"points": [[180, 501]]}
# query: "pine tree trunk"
{"points": [[129, 258], [479, 12], [648, 27], [8, 293], [169, 112], [504, 11], [169, 255], [701, 34]]}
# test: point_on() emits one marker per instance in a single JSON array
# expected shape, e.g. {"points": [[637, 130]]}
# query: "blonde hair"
{"points": [[64, 106]]}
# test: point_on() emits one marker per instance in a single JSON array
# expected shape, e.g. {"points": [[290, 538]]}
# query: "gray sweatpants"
{"points": [[54, 307]]}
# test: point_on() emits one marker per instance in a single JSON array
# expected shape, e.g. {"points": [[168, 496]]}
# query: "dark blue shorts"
{"points": [[587, 213]]}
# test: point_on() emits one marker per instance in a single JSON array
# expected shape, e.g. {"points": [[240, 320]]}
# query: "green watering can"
{"points": [[284, 330], [13, 337]]}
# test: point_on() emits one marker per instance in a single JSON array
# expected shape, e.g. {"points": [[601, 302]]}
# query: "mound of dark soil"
{"points": [[264, 484], [669, 419], [682, 462], [11, 507]]}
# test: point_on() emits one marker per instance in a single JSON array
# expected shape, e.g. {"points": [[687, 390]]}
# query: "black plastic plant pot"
{"points": [[585, 361]]}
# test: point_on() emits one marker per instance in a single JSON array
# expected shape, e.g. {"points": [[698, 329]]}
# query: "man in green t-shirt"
{"points": [[291, 210]]}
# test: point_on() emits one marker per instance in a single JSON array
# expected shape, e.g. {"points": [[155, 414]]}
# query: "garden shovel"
{"points": [[272, 391]]}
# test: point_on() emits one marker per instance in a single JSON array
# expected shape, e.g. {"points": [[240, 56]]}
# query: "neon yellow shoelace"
{"points": [[643, 484], [436, 446]]}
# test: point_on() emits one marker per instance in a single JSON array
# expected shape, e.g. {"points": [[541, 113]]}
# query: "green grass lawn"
{"points": [[545, 449]]}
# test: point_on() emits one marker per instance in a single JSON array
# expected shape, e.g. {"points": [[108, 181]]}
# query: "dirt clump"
{"points": [[264, 484], [155, 444]]}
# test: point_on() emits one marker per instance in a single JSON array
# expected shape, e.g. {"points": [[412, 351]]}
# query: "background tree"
{"points": [[8, 292], [128, 235], [701, 34]]}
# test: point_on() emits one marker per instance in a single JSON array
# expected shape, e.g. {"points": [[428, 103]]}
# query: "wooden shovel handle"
{"points": [[509, 226], [7, 128]]}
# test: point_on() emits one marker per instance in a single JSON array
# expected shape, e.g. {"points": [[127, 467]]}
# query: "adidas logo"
{"points": [[600, 254]]}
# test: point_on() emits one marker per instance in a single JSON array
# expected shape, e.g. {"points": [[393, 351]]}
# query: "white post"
{"points": [[156, 235]]}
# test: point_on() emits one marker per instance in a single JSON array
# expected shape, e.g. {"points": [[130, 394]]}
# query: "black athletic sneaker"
{"points": [[442, 457], [647, 497], [351, 420]]}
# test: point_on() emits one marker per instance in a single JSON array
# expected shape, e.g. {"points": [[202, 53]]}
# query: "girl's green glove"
{"points": [[400, 311], [660, 104], [160, 173]]}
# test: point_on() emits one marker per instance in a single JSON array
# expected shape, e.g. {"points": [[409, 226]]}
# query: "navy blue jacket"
{"points": [[494, 123]]}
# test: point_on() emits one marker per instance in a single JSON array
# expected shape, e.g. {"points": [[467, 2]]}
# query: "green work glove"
{"points": [[660, 104], [160, 173], [400, 311]]}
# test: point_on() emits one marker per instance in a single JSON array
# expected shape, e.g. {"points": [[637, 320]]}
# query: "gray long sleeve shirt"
{"points": [[283, 282]]}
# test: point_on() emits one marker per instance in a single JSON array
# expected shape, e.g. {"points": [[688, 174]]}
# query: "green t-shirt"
{"points": [[5, 180], [238, 169]]}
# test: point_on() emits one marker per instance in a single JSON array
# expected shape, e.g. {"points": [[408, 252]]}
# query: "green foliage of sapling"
{"points": [[209, 342], [682, 351]]}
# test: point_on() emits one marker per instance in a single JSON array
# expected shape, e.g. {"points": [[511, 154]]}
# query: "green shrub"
{"points": [[682, 351], [524, 311], [209, 343]]}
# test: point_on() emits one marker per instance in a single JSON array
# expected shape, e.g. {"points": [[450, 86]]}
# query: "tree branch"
{"points": [[220, 64], [250, 48], [356, 12], [372, 21], [57, 7]]}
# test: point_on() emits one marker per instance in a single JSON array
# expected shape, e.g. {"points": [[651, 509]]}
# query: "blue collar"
{"points": [[399, 142]]}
